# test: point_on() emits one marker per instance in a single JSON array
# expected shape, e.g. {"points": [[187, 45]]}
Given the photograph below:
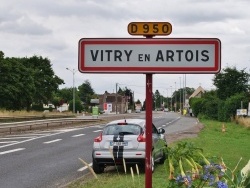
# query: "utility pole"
{"points": [[180, 96], [171, 99], [183, 92], [167, 99], [133, 101], [74, 97], [175, 102], [116, 85]]}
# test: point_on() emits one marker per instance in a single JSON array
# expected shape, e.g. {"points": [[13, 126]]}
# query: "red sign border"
{"points": [[159, 70]]}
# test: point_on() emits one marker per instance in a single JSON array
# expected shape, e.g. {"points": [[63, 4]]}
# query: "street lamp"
{"points": [[180, 96], [171, 98], [74, 97], [175, 102]]}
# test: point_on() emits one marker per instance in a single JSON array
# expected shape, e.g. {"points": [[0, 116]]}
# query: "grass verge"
{"points": [[231, 145]]}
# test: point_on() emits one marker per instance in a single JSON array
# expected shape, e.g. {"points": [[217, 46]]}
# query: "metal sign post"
{"points": [[149, 121]]}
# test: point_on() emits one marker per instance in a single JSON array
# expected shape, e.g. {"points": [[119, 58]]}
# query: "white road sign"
{"points": [[166, 55]]}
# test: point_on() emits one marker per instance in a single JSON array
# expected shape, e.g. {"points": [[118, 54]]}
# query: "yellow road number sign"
{"points": [[149, 28]]}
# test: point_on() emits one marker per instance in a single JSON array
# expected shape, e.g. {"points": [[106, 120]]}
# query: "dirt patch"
{"points": [[189, 133]]}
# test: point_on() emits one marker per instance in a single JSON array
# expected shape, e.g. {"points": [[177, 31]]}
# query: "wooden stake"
{"points": [[223, 129]]}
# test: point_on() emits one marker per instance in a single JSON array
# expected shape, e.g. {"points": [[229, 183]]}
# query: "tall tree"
{"points": [[66, 94], [85, 93], [230, 82], [128, 94], [121, 92], [157, 99], [45, 80], [16, 85], [25, 81]]}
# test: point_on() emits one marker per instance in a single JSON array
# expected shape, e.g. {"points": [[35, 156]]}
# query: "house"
{"points": [[197, 93], [112, 102]]}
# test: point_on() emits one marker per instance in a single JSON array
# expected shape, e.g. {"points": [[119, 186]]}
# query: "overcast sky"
{"points": [[53, 28]]}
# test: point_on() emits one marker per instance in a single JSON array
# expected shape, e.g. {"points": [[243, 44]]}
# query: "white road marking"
{"points": [[77, 135], [52, 141], [84, 168], [10, 151], [34, 138], [97, 131], [8, 138], [67, 130], [8, 142]]}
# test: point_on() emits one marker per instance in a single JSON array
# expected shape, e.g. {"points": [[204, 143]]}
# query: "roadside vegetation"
{"points": [[232, 93]]}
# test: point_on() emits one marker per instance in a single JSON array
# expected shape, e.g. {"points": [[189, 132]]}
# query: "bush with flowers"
{"points": [[189, 168]]}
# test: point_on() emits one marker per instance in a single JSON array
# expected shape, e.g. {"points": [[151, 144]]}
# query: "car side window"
{"points": [[154, 130]]}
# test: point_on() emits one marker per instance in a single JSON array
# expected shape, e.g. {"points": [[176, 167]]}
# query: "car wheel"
{"points": [[163, 158], [152, 167], [98, 169]]}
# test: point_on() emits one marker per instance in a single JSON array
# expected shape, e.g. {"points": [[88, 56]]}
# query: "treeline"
{"points": [[26, 82], [231, 93]]}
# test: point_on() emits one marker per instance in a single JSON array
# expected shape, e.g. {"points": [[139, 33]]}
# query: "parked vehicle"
{"points": [[125, 139], [137, 110]]}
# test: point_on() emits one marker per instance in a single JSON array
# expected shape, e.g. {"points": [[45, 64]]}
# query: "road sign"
{"points": [[149, 28], [156, 55]]}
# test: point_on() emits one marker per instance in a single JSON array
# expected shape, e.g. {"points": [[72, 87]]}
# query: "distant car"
{"points": [[125, 139], [137, 111], [166, 110]]}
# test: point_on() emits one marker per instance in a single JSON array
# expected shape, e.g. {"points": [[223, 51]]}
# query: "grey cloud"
{"points": [[23, 25]]}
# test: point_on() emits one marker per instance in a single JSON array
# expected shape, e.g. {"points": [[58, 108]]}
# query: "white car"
{"points": [[125, 140], [137, 111]]}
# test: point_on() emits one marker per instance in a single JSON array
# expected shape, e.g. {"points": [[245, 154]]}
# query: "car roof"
{"points": [[140, 122]]}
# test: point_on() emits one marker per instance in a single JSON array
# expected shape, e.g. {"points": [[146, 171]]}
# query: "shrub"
{"points": [[210, 107], [233, 103], [78, 106], [37, 107], [222, 112], [196, 105]]}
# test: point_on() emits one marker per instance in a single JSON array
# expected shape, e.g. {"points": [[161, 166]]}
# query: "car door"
{"points": [[157, 143]]}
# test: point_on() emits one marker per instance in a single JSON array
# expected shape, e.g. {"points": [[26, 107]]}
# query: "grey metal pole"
{"points": [[116, 98], [175, 106], [74, 95], [180, 96], [171, 99]]}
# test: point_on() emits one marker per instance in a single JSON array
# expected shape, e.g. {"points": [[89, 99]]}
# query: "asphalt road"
{"points": [[50, 158]]}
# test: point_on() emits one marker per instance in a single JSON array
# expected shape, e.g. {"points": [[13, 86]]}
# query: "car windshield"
{"points": [[127, 129]]}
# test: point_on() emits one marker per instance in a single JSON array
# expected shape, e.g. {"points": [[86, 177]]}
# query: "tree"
{"points": [[16, 85], [1, 56], [138, 101], [85, 93], [121, 92], [157, 99], [26, 81], [128, 94], [66, 94], [230, 82], [45, 80]]}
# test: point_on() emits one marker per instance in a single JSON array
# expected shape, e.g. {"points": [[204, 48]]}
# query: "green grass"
{"points": [[230, 145]]}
